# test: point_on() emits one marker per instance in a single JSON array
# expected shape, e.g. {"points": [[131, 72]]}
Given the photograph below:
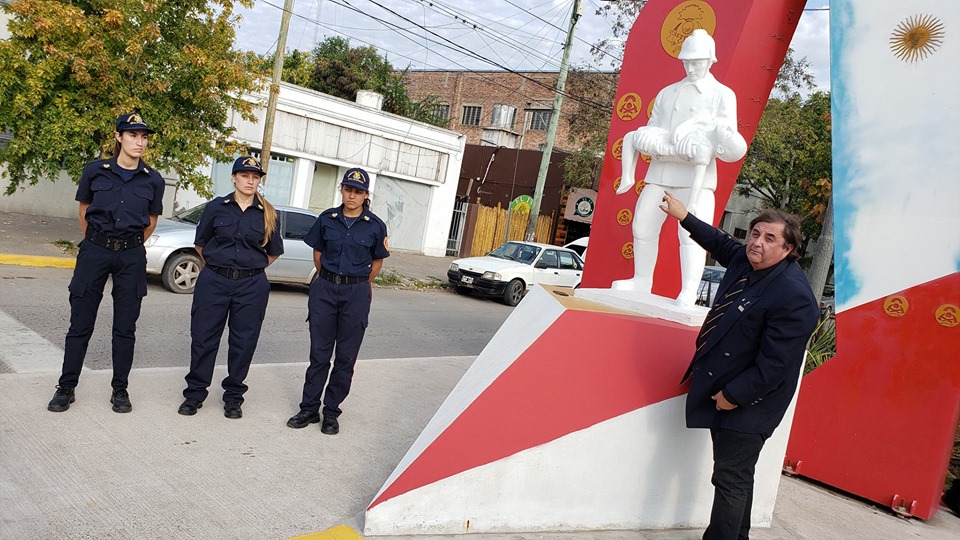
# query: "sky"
{"points": [[522, 35]]}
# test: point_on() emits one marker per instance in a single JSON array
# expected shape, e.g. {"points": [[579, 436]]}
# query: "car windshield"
{"points": [[713, 275], [515, 251], [191, 215]]}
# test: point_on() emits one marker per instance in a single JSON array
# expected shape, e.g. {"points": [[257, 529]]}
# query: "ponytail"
{"points": [[269, 219]]}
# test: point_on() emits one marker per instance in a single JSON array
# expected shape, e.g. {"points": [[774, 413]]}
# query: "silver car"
{"points": [[171, 255]]}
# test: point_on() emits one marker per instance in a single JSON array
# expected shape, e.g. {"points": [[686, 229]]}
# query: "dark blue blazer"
{"points": [[755, 353]]}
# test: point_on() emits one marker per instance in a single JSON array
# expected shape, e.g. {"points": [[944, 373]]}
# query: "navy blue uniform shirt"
{"points": [[233, 238], [120, 208], [348, 246]]}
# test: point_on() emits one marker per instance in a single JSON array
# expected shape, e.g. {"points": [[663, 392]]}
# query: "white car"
{"points": [[580, 246], [171, 255], [513, 268]]}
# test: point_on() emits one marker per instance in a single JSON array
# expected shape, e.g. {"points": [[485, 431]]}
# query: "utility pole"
{"points": [[552, 127], [275, 85]]}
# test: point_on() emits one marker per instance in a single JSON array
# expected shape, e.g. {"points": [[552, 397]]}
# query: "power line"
{"points": [[397, 29]]}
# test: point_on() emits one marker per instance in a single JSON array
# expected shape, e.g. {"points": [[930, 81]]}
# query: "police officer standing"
{"points": [[120, 200], [349, 244], [237, 238]]}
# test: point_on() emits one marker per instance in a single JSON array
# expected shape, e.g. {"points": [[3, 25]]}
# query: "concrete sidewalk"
{"points": [[92, 473]]}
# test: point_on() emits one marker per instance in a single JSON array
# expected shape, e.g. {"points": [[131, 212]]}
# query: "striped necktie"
{"points": [[719, 308]]}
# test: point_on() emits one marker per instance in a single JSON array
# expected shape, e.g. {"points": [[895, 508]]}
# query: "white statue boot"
{"points": [[644, 260], [692, 262]]}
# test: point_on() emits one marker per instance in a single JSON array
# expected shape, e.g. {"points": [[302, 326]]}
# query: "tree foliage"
{"points": [[589, 124], [789, 162], [70, 68], [337, 69]]}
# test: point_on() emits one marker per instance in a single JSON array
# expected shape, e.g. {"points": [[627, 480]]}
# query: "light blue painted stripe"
{"points": [[845, 149]]}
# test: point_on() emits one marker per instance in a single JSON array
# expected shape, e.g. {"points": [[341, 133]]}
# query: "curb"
{"points": [[340, 532], [31, 260]]}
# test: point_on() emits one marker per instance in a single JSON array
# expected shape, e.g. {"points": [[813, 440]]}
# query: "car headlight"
{"points": [[492, 276], [151, 241], [454, 267]]}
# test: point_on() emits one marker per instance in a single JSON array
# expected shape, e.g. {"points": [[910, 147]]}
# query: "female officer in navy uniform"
{"points": [[349, 244], [237, 238], [120, 200]]}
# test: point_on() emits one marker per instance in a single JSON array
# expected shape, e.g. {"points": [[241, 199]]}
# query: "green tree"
{"points": [[589, 124], [70, 68], [337, 69], [789, 162]]}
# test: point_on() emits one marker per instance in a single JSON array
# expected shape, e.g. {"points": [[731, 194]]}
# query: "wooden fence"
{"points": [[491, 228]]}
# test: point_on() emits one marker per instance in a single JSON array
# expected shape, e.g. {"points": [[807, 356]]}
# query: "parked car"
{"points": [[513, 268], [171, 255], [707, 291], [580, 246]]}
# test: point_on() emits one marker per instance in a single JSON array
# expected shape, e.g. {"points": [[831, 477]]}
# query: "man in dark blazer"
{"points": [[749, 354]]}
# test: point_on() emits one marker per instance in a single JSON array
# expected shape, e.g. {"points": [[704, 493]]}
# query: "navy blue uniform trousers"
{"points": [[94, 264], [337, 318], [215, 299]]}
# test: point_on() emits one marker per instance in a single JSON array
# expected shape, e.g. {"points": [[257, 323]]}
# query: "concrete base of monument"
{"points": [[646, 304], [571, 419]]}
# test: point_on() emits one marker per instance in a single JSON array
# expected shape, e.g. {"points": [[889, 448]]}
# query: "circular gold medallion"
{"points": [[639, 186], [617, 149], [948, 315], [627, 251], [629, 106], [896, 306], [624, 217], [616, 183], [682, 21], [650, 108]]}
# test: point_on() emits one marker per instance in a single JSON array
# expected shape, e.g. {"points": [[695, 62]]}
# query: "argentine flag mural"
{"points": [[896, 136]]}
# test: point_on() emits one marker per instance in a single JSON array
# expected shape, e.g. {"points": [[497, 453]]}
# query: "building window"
{"points": [[278, 186], [539, 120], [471, 115], [739, 233], [442, 111]]}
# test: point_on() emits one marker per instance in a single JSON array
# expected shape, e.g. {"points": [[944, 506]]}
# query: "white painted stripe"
{"points": [[26, 351]]}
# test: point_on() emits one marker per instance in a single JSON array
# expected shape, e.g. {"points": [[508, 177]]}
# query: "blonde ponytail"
{"points": [[269, 219]]}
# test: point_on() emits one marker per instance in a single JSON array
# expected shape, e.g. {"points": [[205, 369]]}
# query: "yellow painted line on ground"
{"points": [[340, 532], [33, 260]]}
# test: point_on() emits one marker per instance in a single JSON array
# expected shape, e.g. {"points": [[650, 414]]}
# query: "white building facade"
{"points": [[414, 167]]}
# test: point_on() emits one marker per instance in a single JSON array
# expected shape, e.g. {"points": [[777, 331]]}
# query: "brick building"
{"points": [[498, 108]]}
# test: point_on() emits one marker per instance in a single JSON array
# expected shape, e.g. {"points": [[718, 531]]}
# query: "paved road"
{"points": [[403, 323]]}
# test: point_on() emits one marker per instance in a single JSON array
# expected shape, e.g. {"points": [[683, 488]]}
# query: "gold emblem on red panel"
{"points": [[645, 158], [627, 251], [639, 187], [617, 149], [616, 183], [650, 108], [629, 106], [682, 21], [948, 315], [624, 217], [896, 306]]}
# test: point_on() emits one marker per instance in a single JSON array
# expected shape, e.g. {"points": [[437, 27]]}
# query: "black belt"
{"points": [[342, 280], [235, 273], [112, 243]]}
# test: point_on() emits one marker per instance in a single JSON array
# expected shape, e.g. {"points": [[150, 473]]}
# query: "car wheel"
{"points": [[463, 290], [181, 272], [513, 293]]}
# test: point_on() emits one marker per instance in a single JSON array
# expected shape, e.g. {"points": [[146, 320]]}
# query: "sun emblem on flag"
{"points": [[916, 37]]}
